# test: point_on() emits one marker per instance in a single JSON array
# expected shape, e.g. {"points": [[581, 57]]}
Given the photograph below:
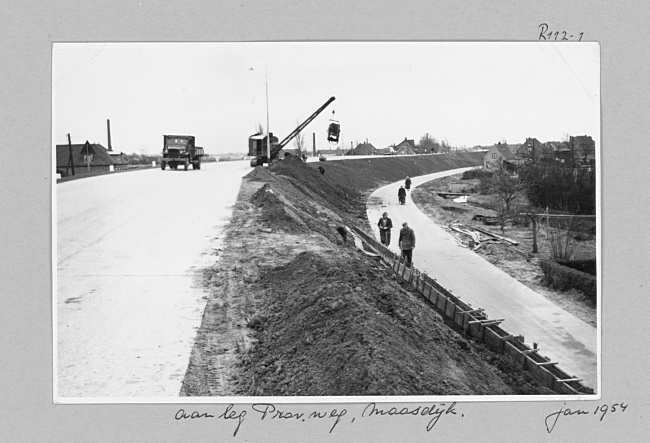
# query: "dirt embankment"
{"points": [[297, 310]]}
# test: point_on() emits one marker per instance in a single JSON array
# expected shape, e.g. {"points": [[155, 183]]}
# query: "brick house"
{"points": [[584, 149]]}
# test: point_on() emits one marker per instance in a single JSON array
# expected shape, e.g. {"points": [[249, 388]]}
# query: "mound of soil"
{"points": [[338, 324], [327, 187], [296, 310]]}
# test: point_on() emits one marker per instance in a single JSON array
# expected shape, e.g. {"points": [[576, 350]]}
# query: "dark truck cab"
{"points": [[180, 150]]}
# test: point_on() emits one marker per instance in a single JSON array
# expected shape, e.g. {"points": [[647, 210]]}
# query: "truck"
{"points": [[258, 143], [180, 150]]}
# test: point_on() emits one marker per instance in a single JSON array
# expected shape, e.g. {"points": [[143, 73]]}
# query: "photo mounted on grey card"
{"points": [[326, 222]]}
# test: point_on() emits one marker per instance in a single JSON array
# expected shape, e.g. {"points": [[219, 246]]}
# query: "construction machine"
{"points": [[257, 143], [180, 150]]}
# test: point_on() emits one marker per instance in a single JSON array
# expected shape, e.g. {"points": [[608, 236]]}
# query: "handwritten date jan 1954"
{"points": [[602, 410]]}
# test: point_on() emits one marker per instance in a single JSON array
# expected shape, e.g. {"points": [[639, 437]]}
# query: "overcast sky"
{"points": [[467, 93]]}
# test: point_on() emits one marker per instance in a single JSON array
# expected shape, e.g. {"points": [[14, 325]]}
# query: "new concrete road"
{"points": [[130, 249], [561, 336]]}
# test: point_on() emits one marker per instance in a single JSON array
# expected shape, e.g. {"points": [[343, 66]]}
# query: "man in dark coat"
{"points": [[407, 243], [408, 183], [401, 194], [385, 225]]}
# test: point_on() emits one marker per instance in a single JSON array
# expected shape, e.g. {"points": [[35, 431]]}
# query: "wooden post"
{"points": [[70, 159]]}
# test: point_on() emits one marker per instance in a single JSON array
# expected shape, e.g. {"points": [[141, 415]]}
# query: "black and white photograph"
{"points": [[379, 221]]}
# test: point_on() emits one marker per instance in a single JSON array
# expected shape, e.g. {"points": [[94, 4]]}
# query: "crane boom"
{"points": [[302, 126]]}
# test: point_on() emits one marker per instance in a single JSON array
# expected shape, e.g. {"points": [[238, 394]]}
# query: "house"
{"points": [[405, 147], [86, 156], [496, 155], [363, 149], [561, 151], [535, 151], [584, 149], [513, 147]]}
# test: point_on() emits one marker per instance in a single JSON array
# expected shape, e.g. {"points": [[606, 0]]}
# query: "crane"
{"points": [[257, 143]]}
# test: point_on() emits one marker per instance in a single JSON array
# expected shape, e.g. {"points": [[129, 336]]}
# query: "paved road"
{"points": [[561, 336], [129, 299]]}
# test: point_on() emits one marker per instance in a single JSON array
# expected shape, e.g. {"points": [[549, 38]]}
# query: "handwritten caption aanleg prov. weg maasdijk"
{"points": [[268, 412]]}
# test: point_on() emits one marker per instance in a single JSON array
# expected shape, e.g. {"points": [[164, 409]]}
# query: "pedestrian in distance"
{"points": [[401, 195], [385, 225], [322, 170], [407, 243], [408, 183]]}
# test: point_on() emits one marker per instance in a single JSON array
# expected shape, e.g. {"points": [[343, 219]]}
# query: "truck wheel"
{"points": [[162, 165], [187, 164]]}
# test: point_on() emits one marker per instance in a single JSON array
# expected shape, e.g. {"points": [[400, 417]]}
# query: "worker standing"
{"points": [[385, 225], [408, 183], [407, 243], [401, 195]]}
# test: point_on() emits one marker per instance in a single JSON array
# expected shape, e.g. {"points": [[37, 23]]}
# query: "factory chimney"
{"points": [[108, 126]]}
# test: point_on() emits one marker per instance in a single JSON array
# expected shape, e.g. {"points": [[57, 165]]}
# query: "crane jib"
{"points": [[302, 126]]}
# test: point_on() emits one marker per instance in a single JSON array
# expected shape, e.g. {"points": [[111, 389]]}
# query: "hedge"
{"points": [[587, 266], [564, 278]]}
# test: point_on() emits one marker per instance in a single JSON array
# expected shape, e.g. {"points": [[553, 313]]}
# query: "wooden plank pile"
{"points": [[477, 237]]}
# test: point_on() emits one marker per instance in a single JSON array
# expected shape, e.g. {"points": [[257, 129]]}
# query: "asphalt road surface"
{"points": [[561, 336], [130, 249]]}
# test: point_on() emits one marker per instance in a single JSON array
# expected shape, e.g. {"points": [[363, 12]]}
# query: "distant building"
{"points": [[337, 151], [389, 150], [95, 155], [561, 151], [584, 149], [496, 155], [405, 147], [363, 149], [535, 151]]}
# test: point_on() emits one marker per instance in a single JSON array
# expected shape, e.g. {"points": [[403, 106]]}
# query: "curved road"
{"points": [[561, 336], [130, 249]]}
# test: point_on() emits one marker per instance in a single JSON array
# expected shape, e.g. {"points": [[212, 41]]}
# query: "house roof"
{"points": [[363, 149], [406, 141], [101, 155], [504, 151]]}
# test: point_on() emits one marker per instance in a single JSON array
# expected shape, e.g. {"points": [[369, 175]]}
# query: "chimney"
{"points": [[108, 126]]}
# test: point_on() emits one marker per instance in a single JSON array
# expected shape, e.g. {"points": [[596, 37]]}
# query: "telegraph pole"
{"points": [[70, 159]]}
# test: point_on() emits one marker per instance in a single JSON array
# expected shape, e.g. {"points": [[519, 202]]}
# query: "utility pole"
{"points": [[314, 142], [70, 159]]}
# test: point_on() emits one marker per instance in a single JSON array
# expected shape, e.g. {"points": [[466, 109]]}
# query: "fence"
{"points": [[476, 323]]}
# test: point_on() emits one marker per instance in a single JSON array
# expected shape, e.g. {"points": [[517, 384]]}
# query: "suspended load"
{"points": [[333, 130]]}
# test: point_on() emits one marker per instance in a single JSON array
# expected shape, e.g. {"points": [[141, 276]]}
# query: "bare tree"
{"points": [[508, 191], [563, 239], [299, 141]]}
